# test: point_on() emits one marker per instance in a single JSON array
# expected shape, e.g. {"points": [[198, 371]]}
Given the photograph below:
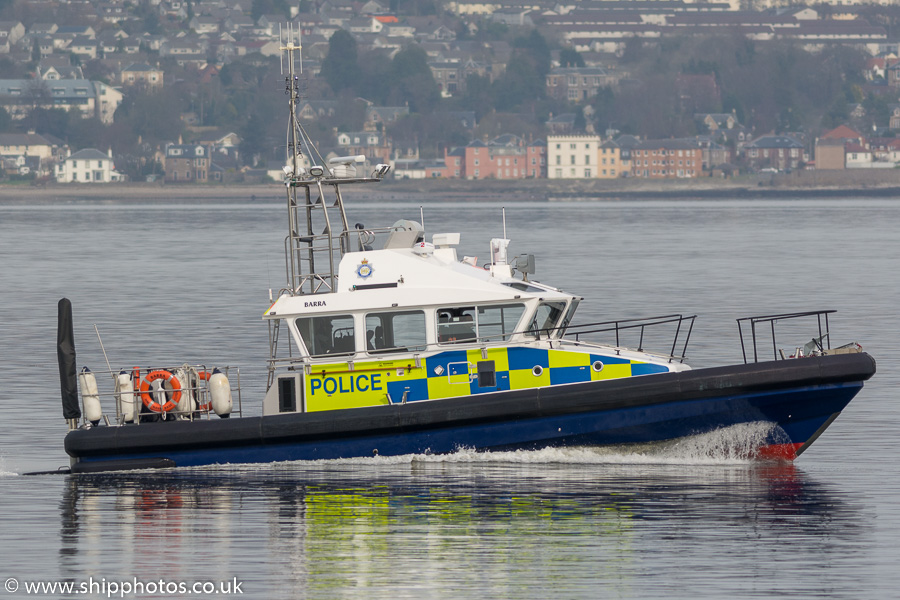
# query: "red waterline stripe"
{"points": [[778, 452]]}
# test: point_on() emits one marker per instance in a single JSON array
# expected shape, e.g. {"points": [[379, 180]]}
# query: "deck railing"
{"points": [[625, 329], [194, 386], [766, 323]]}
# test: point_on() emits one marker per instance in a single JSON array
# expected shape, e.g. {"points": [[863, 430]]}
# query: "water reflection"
{"points": [[438, 528]]}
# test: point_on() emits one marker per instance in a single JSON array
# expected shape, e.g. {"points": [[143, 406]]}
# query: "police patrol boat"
{"points": [[386, 342]]}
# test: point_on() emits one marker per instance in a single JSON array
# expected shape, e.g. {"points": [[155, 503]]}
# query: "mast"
{"points": [[319, 233]]}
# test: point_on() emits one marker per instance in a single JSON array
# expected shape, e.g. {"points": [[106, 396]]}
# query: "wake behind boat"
{"points": [[385, 343]]}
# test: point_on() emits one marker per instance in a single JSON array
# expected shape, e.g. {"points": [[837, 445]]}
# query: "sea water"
{"points": [[176, 280]]}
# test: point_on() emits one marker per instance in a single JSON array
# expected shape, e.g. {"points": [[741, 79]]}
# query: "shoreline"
{"points": [[799, 185]]}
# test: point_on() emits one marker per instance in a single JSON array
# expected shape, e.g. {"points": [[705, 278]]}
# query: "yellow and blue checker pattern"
{"points": [[455, 373]]}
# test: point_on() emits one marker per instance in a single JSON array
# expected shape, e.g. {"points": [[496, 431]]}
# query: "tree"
{"points": [[413, 81], [269, 7], [10, 69], [478, 97], [254, 143], [340, 67], [520, 83], [431, 134], [6, 122], [569, 57], [154, 117], [376, 81], [535, 48]]}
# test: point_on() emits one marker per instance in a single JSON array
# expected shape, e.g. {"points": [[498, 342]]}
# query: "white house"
{"points": [[572, 156], [88, 166]]}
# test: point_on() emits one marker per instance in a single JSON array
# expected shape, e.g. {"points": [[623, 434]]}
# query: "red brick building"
{"points": [[667, 159], [505, 157]]}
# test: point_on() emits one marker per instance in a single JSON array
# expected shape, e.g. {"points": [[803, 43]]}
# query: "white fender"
{"points": [[90, 396], [187, 404], [220, 393], [125, 394]]}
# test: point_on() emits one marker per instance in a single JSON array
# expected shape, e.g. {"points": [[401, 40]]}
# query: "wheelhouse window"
{"points": [[497, 323], [489, 323], [328, 335], [573, 306], [546, 319], [456, 324], [395, 331]]}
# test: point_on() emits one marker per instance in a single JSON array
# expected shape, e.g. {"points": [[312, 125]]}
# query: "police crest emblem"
{"points": [[364, 270]]}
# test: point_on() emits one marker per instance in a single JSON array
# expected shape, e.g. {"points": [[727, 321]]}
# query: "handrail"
{"points": [[198, 388], [824, 336], [620, 325]]}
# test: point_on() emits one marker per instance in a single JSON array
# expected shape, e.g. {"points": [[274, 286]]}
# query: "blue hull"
{"points": [[637, 410]]}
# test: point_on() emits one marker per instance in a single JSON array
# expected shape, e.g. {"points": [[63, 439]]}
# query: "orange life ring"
{"points": [[147, 398]]}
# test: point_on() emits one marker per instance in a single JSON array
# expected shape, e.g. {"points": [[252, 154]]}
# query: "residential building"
{"points": [[418, 169], [577, 84], [715, 121], [560, 124], [885, 149], [830, 154], [142, 75], [88, 166], [573, 156], [10, 34], [609, 163], [505, 157], [844, 133], [780, 152], [374, 145], [107, 101], [714, 154], [447, 76], [48, 148], [667, 159], [626, 144], [384, 115], [187, 163], [317, 109], [857, 156], [54, 72], [455, 163], [90, 98]]}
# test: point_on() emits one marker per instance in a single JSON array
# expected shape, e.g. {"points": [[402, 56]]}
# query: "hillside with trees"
{"points": [[771, 86]]}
